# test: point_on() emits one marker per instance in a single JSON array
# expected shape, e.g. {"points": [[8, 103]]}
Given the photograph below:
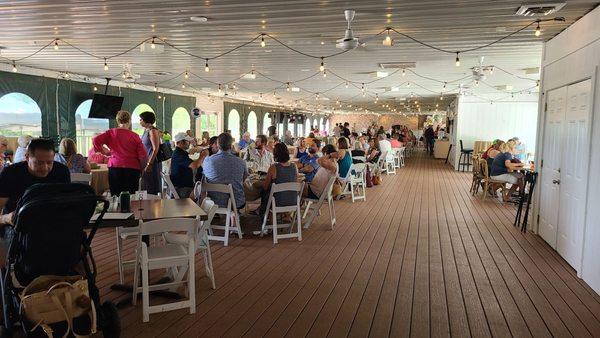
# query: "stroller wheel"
{"points": [[111, 323]]}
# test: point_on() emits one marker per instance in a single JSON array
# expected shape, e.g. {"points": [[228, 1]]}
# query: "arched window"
{"points": [[180, 122], [208, 122], [327, 126], [233, 124], [135, 117], [252, 124], [87, 127], [320, 124], [307, 127], [266, 124], [290, 127], [19, 115]]}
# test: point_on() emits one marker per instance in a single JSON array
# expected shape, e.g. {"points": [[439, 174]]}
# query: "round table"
{"points": [[100, 179]]}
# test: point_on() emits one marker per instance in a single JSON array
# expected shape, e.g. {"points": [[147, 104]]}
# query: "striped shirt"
{"points": [[226, 168]]}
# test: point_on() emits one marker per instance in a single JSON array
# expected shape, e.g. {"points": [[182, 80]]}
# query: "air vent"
{"points": [[397, 65], [540, 9]]}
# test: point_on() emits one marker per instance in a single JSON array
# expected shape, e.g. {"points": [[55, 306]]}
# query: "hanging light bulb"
{"points": [[56, 44], [123, 75], [457, 61], [538, 30], [324, 73], [403, 72], [442, 97], [186, 75], [14, 69], [159, 97], [155, 87], [95, 88], [262, 41], [317, 96], [105, 65], [492, 70], [220, 88], [476, 83], [206, 68], [152, 45], [183, 86], [322, 67], [388, 39], [537, 84], [260, 95], [346, 84], [67, 75], [288, 88], [444, 85], [133, 85]]}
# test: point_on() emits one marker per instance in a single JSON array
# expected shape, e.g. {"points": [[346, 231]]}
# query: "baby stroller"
{"points": [[49, 243]]}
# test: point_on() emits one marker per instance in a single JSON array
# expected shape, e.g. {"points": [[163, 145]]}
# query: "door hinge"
{"points": [[538, 219], [546, 107], [541, 164]]}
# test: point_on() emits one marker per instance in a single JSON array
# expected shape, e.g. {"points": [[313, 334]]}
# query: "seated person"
{"points": [[310, 139], [182, 166], [288, 139], [260, 156], [301, 150], [395, 141], [23, 142], [282, 171], [327, 168], [213, 148], [245, 141], [75, 162], [39, 167], [345, 158], [308, 164], [373, 152], [226, 168], [491, 153], [503, 167]]}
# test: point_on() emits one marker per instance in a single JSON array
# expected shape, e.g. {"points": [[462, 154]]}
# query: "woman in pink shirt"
{"points": [[128, 156]]}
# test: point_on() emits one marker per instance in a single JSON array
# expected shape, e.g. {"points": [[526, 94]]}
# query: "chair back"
{"points": [[329, 188], [358, 170], [295, 187], [484, 168], [222, 189], [461, 145], [171, 188], [159, 226], [382, 159], [360, 158], [81, 178], [210, 208]]}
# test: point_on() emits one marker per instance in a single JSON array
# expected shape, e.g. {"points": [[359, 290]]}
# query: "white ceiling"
{"points": [[109, 27]]}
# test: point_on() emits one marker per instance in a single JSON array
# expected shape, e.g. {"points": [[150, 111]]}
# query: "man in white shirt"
{"points": [[385, 145], [259, 156], [336, 130]]}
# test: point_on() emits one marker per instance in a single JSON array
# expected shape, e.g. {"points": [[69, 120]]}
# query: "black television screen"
{"points": [[105, 106]]}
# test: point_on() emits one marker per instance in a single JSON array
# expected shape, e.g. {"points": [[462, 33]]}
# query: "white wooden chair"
{"points": [[313, 206], [389, 163], [357, 183], [81, 178], [202, 242], [399, 157], [170, 191], [173, 256], [382, 163], [122, 233], [295, 187], [232, 218]]}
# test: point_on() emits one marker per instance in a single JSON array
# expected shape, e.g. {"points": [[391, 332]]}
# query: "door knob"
{"points": [[556, 181]]}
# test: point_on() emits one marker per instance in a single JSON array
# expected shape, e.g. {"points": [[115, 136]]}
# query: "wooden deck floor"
{"points": [[420, 257]]}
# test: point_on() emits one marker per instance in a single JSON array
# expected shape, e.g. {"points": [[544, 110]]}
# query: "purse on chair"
{"points": [[53, 299]]}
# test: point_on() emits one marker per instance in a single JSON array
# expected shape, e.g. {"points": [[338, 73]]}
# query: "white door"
{"points": [[556, 102], [574, 172]]}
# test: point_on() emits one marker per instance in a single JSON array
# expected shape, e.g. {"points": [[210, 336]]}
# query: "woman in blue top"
{"points": [[76, 162], [345, 158], [503, 168], [301, 151], [151, 142]]}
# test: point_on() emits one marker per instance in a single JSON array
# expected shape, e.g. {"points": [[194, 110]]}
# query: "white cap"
{"points": [[182, 136]]}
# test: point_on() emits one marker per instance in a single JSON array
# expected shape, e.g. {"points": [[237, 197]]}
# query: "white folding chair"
{"points": [[396, 157], [390, 167], [295, 187], [400, 155], [202, 242], [81, 178], [382, 162], [360, 158], [346, 188], [313, 206], [171, 191], [125, 232], [358, 181], [232, 218], [173, 256]]}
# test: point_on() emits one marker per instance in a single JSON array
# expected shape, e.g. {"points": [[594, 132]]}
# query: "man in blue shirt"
{"points": [[245, 141], [226, 168], [308, 164], [182, 166]]}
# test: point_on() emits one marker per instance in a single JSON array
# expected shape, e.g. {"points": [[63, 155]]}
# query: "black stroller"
{"points": [[49, 239]]}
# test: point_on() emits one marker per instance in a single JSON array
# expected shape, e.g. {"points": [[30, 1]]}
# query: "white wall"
{"points": [[570, 57], [482, 121]]}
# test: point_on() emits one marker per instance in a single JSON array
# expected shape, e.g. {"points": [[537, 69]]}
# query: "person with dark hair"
{"points": [[272, 130], [282, 171], [429, 136], [345, 157], [39, 167], [328, 168], [226, 168], [308, 164], [301, 151], [151, 141], [346, 130], [259, 155]]}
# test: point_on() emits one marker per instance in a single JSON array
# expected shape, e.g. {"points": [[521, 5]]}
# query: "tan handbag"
{"points": [[52, 299], [376, 180]]}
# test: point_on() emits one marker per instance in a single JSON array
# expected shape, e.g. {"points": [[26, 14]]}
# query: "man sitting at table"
{"points": [[308, 164], [245, 141], [182, 166], [504, 169], [39, 167], [226, 168], [261, 157]]}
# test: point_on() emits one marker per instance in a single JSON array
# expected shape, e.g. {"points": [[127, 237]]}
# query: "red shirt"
{"points": [[127, 150], [395, 143]]}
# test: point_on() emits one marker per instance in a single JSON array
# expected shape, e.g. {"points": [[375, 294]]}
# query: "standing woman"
{"points": [[127, 155], [151, 142]]}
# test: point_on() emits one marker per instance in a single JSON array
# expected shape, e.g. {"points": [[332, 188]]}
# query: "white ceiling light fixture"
{"points": [[199, 19]]}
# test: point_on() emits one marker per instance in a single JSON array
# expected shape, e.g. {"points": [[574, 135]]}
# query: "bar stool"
{"points": [[467, 154]]}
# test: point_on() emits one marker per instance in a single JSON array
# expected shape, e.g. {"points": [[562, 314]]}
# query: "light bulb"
{"points": [[538, 30], [262, 42], [95, 88], [444, 85], [159, 97], [457, 61], [155, 88], [123, 75], [182, 85], [105, 65], [324, 73], [206, 68], [442, 98], [220, 88], [346, 84], [288, 87], [152, 45], [388, 40], [537, 84], [322, 67], [14, 68], [186, 75], [492, 70], [403, 72], [56, 44], [408, 84]]}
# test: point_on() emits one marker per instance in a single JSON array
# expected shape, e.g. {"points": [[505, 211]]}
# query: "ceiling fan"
{"points": [[128, 75], [349, 41]]}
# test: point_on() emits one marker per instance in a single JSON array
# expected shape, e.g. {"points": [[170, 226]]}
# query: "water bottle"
{"points": [[125, 201]]}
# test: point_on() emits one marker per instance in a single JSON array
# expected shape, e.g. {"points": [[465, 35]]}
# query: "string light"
{"points": [[56, 44], [186, 75], [262, 41], [492, 70], [220, 88], [537, 84], [538, 30], [288, 88], [457, 61], [183, 86], [206, 68], [403, 72], [95, 88], [346, 84], [105, 65], [408, 84], [324, 73], [442, 97], [444, 85], [388, 40], [152, 45], [155, 87], [159, 97], [322, 67], [14, 67]]}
